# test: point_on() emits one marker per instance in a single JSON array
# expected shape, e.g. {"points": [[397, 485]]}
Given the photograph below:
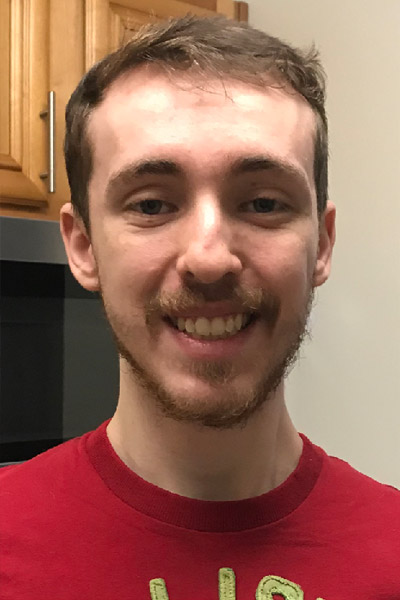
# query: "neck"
{"points": [[203, 463]]}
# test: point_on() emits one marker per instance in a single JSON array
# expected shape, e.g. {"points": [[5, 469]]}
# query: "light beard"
{"points": [[226, 407]]}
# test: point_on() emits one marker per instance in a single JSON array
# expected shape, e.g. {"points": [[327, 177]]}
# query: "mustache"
{"points": [[250, 299]]}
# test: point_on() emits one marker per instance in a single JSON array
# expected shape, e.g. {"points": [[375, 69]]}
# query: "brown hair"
{"points": [[216, 47]]}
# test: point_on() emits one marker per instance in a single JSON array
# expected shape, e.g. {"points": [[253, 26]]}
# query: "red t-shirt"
{"points": [[77, 524]]}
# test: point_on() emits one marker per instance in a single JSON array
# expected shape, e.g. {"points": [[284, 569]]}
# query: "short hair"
{"points": [[215, 47]]}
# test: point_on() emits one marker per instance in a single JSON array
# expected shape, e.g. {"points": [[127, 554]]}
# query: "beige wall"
{"points": [[345, 392]]}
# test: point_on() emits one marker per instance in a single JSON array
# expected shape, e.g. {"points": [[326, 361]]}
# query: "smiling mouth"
{"points": [[217, 328]]}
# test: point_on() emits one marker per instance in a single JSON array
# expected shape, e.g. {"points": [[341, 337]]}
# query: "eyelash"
{"points": [[137, 204], [276, 204]]}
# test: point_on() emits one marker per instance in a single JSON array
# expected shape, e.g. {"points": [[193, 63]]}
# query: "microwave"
{"points": [[59, 375]]}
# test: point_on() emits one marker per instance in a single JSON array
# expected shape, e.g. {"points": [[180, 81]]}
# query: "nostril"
{"points": [[208, 266]]}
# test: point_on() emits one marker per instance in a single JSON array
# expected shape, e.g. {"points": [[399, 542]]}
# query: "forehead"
{"points": [[198, 123]]}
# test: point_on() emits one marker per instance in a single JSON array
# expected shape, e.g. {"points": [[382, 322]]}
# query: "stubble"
{"points": [[227, 407]]}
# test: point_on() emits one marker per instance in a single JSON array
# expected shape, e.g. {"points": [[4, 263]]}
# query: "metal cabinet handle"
{"points": [[51, 113]]}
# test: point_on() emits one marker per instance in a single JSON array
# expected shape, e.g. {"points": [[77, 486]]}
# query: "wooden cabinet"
{"points": [[24, 75], [47, 45], [43, 45]]}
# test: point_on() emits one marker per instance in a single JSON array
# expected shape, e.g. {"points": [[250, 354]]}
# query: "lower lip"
{"points": [[212, 349]]}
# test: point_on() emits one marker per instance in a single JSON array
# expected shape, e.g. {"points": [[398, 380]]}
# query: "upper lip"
{"points": [[210, 310]]}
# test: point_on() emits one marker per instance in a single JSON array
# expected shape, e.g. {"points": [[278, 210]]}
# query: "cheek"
{"points": [[286, 266], [135, 269]]}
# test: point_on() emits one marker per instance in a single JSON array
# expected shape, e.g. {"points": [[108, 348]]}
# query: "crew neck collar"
{"points": [[203, 515]]}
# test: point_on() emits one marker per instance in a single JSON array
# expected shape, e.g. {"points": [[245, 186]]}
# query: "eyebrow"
{"points": [[134, 170], [254, 164], [241, 166]]}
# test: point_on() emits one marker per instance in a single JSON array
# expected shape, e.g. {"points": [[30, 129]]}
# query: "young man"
{"points": [[197, 160]]}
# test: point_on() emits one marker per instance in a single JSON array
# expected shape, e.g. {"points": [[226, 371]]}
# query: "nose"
{"points": [[206, 253]]}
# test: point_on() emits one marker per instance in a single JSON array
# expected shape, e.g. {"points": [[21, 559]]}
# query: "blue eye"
{"points": [[264, 205], [151, 207]]}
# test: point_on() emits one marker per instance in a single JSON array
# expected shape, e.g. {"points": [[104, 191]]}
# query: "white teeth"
{"points": [[230, 324], [189, 325], [238, 321], [217, 327], [202, 326]]}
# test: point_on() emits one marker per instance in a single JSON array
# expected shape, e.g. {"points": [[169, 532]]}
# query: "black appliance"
{"points": [[59, 365]]}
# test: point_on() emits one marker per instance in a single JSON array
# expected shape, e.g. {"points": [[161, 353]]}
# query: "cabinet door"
{"points": [[47, 45], [24, 36], [109, 24]]}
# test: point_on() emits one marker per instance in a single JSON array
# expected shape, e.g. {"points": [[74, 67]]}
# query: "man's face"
{"points": [[203, 208]]}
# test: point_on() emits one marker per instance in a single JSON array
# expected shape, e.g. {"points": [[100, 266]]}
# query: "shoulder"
{"points": [[357, 516], [340, 480], [359, 501], [26, 483], [46, 505], [53, 492], [346, 476]]}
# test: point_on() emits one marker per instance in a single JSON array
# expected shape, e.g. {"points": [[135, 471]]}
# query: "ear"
{"points": [[327, 236], [79, 249]]}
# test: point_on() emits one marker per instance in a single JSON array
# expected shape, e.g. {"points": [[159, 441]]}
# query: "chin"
{"points": [[219, 405]]}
